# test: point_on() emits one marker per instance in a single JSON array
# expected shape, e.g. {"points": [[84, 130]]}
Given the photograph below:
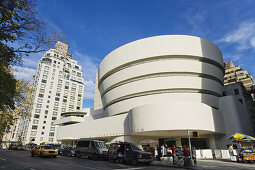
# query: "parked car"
{"points": [[12, 146], [58, 147], [126, 152], [68, 151], [93, 149], [44, 150], [20, 148]]}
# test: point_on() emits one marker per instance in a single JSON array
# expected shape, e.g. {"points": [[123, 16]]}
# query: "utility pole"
{"points": [[190, 151]]}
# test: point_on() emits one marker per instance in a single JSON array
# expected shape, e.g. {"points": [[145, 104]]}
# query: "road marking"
{"points": [[2, 159], [86, 167], [132, 168]]}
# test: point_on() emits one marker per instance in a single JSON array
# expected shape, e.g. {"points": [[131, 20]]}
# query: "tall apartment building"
{"points": [[240, 83], [59, 87], [234, 74]]}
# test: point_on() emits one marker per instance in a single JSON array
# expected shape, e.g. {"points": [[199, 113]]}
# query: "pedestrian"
{"points": [[159, 153], [231, 150], [186, 150], [174, 154], [163, 150]]}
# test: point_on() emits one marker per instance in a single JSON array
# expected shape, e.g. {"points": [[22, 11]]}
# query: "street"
{"points": [[13, 160]]}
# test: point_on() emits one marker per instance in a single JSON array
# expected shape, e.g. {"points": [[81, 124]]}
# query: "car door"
{"points": [[129, 154]]}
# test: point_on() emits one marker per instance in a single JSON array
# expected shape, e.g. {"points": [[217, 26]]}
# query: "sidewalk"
{"points": [[209, 164]]}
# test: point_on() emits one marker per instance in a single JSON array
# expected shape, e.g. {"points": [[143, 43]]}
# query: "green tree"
{"points": [[22, 32]]}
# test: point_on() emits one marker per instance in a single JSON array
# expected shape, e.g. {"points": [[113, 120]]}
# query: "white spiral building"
{"points": [[159, 87]]}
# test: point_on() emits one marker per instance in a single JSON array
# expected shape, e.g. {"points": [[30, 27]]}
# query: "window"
{"points": [[32, 139], [40, 100], [50, 139], [35, 121], [83, 144], [44, 81], [41, 139], [47, 106], [39, 105], [55, 108], [46, 111], [45, 117], [52, 128], [33, 133], [65, 100], [40, 95], [236, 91], [44, 122], [49, 97], [36, 116], [43, 127], [55, 61], [42, 133], [52, 124], [57, 94], [34, 127], [37, 110], [51, 134], [43, 85], [66, 87], [54, 118], [55, 113], [56, 98], [48, 101]]}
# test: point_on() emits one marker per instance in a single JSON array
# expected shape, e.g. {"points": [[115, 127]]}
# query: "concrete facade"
{"points": [[159, 87]]}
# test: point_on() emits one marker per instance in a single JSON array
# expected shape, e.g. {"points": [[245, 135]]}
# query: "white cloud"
{"points": [[244, 36], [24, 73], [89, 90]]}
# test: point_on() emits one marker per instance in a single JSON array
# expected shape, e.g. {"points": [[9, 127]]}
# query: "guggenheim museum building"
{"points": [[159, 88]]}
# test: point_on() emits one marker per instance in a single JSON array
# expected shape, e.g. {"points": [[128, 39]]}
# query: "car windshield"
{"points": [[57, 146], [46, 147], [100, 145], [136, 147], [70, 148]]}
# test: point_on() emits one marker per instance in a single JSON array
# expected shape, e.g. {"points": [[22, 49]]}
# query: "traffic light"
{"points": [[195, 134]]}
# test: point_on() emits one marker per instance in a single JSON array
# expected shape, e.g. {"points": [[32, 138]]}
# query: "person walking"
{"points": [[174, 154], [159, 153]]}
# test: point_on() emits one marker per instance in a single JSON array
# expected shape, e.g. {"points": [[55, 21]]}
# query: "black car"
{"points": [[68, 151], [126, 152], [58, 147]]}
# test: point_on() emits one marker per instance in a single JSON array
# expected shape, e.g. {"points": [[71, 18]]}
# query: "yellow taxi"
{"points": [[20, 148], [44, 150]]}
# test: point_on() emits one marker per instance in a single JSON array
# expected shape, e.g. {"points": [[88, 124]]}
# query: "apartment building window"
{"points": [[63, 110], [66, 87], [46, 67], [56, 104], [54, 118], [55, 61], [33, 133], [43, 127], [45, 77], [52, 128], [37, 110], [43, 85], [48, 101], [47, 106], [46, 111], [56, 98], [78, 74], [42, 133], [55, 113], [45, 117], [51, 134], [64, 100], [32, 139], [36, 116], [236, 91], [35, 121], [44, 81], [50, 139], [44, 122], [57, 94], [79, 95], [34, 126], [71, 106], [39, 105], [55, 108], [40, 95], [40, 100], [42, 90], [52, 124], [41, 139]]}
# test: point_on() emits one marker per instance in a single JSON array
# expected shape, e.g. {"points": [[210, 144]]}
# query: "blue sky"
{"points": [[94, 28]]}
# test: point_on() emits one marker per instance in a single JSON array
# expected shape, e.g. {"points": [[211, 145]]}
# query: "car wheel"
{"points": [[78, 155]]}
